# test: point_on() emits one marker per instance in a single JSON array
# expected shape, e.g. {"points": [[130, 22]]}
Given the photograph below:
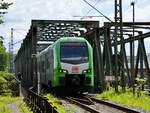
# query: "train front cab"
{"points": [[75, 67]]}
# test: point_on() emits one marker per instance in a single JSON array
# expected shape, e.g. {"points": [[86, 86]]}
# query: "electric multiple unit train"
{"points": [[67, 64]]}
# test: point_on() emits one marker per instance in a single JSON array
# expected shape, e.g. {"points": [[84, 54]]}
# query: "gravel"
{"points": [[72, 108]]}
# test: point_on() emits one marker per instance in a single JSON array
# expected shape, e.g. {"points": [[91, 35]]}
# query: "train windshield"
{"points": [[74, 52]]}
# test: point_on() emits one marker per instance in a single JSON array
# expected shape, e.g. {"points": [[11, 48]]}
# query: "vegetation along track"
{"points": [[94, 105]]}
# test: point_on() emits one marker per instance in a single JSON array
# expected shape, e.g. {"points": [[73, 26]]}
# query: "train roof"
{"points": [[70, 39]]}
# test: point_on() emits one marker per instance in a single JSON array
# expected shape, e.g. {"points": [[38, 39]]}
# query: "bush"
{"points": [[8, 83], [4, 58], [140, 85], [7, 76], [2, 86]]}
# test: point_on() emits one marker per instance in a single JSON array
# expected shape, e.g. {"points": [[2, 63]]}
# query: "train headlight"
{"points": [[87, 71], [63, 71], [84, 71]]}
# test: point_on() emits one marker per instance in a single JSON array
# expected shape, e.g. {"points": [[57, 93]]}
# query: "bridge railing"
{"points": [[39, 104]]}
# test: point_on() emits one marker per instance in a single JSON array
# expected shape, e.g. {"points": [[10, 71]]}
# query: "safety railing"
{"points": [[39, 104]]}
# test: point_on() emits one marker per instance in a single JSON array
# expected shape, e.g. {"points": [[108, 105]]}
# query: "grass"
{"points": [[127, 99], [4, 101], [57, 103], [24, 108]]}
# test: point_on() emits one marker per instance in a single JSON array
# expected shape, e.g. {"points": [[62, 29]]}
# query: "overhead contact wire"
{"points": [[98, 11]]}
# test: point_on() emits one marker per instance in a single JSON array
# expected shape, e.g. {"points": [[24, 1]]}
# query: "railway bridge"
{"points": [[107, 62]]}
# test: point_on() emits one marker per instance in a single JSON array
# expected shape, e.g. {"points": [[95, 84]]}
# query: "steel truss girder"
{"points": [[46, 31], [141, 36]]}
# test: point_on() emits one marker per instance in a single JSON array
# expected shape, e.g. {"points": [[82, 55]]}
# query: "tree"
{"points": [[3, 7], [3, 58], [1, 40], [3, 54]]}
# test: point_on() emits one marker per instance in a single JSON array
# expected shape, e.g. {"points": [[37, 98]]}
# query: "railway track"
{"points": [[82, 103], [116, 106], [87, 103], [94, 105]]}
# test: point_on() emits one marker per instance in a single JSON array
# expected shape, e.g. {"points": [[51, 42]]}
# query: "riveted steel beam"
{"points": [[141, 36]]}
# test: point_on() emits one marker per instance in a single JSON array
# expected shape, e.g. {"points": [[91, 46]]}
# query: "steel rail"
{"points": [[87, 108], [119, 107], [86, 101]]}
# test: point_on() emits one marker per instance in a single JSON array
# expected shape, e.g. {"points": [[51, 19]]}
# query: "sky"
{"points": [[21, 13]]}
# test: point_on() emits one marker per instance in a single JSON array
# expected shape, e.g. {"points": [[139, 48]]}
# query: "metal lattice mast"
{"points": [[133, 70], [118, 29], [11, 62]]}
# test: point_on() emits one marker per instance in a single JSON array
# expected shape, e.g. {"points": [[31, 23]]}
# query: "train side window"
{"points": [[39, 65], [47, 63], [42, 66]]}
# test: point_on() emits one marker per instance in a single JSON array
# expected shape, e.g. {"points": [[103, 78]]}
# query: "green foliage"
{"points": [[108, 87], [127, 99], [7, 76], [3, 6], [2, 86], [1, 40], [24, 108], [3, 54], [4, 58], [8, 83], [140, 85], [4, 100], [2, 79], [57, 103]]}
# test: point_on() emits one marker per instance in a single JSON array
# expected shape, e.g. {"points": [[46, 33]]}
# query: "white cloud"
{"points": [[141, 14], [22, 12]]}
